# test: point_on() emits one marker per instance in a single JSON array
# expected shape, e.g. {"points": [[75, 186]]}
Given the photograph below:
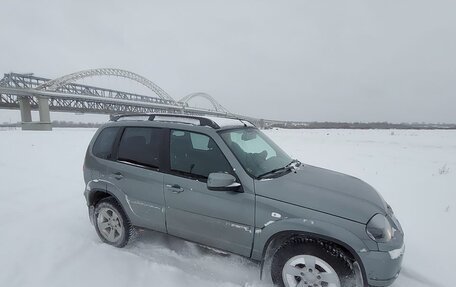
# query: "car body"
{"points": [[190, 194]]}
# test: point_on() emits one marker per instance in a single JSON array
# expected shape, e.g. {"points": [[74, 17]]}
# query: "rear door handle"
{"points": [[118, 175], [175, 188]]}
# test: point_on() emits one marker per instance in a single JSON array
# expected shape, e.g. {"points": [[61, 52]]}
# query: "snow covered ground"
{"points": [[47, 240]]}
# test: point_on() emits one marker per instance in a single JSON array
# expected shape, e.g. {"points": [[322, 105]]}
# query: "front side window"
{"points": [[140, 146], [103, 145], [196, 155], [257, 153]]}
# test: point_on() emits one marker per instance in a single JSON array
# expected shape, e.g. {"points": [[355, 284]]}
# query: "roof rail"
{"points": [[178, 118]]}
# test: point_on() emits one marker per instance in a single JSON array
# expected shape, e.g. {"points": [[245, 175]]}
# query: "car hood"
{"points": [[325, 191]]}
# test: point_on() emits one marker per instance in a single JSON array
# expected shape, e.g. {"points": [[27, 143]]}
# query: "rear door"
{"points": [[221, 219], [136, 172]]}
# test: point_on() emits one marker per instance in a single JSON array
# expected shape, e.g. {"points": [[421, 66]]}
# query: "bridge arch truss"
{"points": [[218, 107], [54, 85]]}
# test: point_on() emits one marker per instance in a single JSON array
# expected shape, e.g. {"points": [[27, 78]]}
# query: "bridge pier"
{"points": [[26, 109], [45, 114], [26, 115]]}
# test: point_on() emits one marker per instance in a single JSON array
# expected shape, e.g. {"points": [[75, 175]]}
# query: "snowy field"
{"points": [[46, 238]]}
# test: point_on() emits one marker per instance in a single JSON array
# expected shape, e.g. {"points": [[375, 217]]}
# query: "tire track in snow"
{"points": [[198, 261]]}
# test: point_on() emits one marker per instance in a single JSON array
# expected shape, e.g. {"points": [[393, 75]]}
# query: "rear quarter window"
{"points": [[104, 143]]}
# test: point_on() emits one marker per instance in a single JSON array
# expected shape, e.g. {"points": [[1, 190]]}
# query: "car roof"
{"points": [[210, 121]]}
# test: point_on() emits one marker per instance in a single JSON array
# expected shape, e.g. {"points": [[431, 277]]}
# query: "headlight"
{"points": [[379, 229]]}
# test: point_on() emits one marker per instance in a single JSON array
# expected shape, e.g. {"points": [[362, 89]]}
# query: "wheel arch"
{"points": [[96, 195], [277, 239], [282, 234]]}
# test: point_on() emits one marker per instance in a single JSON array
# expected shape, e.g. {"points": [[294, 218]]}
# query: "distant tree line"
{"points": [[290, 125], [360, 125], [60, 124], [71, 124]]}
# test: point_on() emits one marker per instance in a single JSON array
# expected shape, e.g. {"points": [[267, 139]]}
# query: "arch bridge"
{"points": [[27, 92], [217, 107]]}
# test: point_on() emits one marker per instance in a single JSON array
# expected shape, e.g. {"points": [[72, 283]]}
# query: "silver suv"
{"points": [[222, 183]]}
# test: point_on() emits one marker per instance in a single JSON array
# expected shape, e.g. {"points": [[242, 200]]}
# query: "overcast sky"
{"points": [[292, 60]]}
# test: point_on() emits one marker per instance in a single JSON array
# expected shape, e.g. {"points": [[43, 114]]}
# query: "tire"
{"points": [[111, 223], [305, 262]]}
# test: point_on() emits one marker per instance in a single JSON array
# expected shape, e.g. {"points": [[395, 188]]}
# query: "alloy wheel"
{"points": [[309, 271]]}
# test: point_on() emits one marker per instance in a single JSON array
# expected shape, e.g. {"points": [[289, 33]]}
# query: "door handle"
{"points": [[175, 188], [118, 175]]}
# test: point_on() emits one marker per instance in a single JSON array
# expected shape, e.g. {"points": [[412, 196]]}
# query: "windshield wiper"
{"points": [[292, 165]]}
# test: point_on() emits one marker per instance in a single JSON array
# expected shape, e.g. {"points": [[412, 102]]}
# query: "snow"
{"points": [[47, 240], [227, 122]]}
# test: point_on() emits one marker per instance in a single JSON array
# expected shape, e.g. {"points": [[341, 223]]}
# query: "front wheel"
{"points": [[311, 263]]}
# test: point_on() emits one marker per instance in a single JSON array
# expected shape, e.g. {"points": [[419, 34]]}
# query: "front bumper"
{"points": [[382, 267]]}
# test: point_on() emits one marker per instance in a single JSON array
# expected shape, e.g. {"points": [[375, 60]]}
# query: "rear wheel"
{"points": [[310, 263], [111, 223]]}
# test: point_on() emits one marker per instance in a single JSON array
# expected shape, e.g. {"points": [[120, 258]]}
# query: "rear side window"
{"points": [[140, 146], [104, 143]]}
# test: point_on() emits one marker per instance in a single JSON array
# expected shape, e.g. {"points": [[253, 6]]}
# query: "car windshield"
{"points": [[258, 154]]}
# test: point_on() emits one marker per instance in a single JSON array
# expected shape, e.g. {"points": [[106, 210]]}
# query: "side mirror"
{"points": [[222, 182]]}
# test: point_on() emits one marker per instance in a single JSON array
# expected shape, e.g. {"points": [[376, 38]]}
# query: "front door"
{"points": [[221, 219]]}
